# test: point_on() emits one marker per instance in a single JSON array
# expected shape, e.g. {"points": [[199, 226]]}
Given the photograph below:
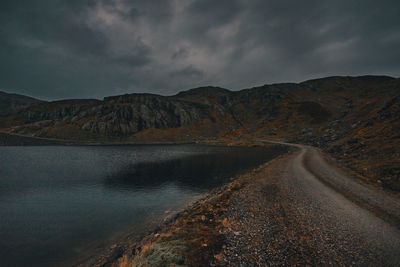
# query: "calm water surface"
{"points": [[55, 201]]}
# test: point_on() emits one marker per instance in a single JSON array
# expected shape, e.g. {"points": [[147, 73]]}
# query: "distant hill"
{"points": [[10, 103], [357, 119]]}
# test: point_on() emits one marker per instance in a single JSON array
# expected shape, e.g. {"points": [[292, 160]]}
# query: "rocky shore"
{"points": [[196, 236], [277, 214]]}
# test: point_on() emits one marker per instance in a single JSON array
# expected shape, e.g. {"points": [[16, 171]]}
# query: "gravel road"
{"points": [[301, 209]]}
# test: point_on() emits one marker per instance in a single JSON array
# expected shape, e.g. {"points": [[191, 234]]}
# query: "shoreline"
{"points": [[104, 252], [12, 139], [114, 251], [203, 234], [231, 224], [188, 233], [215, 229]]}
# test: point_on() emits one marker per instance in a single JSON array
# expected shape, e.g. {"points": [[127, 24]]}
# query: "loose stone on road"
{"points": [[300, 210]]}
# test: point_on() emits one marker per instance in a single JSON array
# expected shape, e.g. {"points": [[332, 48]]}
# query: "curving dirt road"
{"points": [[302, 210]]}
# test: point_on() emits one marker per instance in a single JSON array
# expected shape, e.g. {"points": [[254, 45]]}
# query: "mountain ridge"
{"points": [[11, 102], [356, 119]]}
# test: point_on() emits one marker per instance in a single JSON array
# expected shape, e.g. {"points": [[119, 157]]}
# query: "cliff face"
{"points": [[118, 116], [355, 118]]}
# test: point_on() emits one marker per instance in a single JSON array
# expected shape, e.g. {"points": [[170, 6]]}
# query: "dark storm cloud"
{"points": [[87, 48], [52, 22], [188, 72]]}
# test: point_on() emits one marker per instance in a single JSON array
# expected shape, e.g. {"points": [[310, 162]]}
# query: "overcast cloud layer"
{"points": [[55, 49]]}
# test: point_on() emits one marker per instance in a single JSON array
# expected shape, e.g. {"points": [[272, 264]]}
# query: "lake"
{"points": [[56, 202]]}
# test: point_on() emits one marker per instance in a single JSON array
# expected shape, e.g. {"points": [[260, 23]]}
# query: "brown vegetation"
{"points": [[354, 118]]}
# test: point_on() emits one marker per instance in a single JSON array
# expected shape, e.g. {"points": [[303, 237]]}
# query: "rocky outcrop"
{"points": [[118, 116]]}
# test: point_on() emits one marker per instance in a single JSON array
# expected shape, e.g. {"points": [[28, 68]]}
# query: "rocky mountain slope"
{"points": [[10, 103], [356, 119]]}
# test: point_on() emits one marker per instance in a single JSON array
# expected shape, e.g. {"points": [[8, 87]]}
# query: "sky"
{"points": [[54, 49]]}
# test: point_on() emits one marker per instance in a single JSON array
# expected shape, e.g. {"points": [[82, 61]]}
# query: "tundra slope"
{"points": [[357, 119]]}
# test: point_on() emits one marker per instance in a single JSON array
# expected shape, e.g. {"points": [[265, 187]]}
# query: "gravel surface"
{"points": [[287, 216]]}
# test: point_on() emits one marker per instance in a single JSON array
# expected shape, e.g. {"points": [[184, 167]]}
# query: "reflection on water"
{"points": [[53, 200], [194, 172]]}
